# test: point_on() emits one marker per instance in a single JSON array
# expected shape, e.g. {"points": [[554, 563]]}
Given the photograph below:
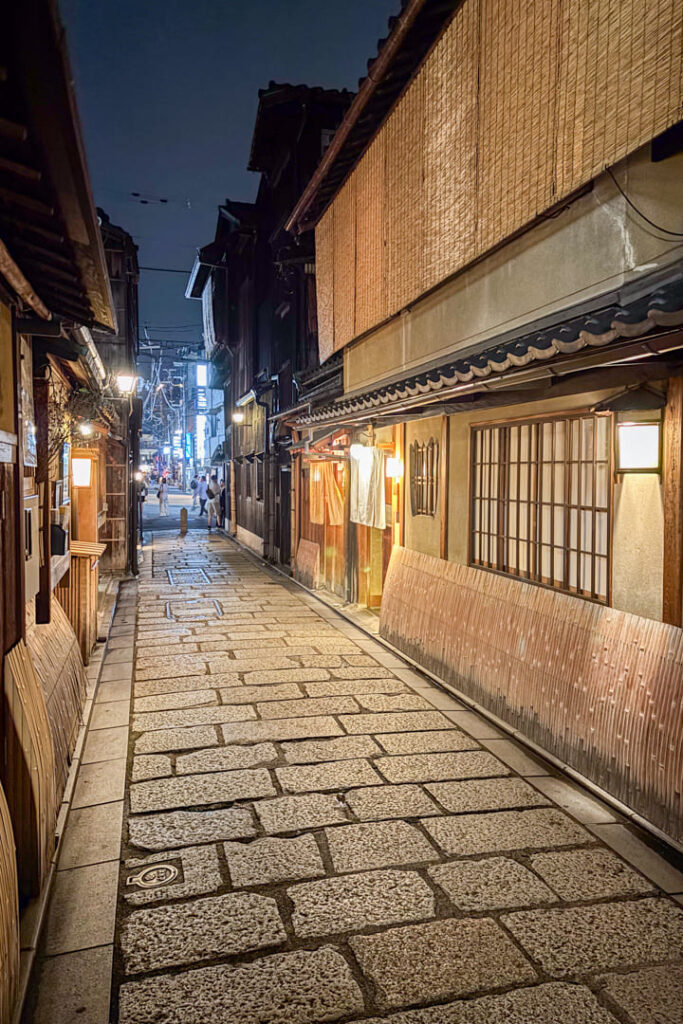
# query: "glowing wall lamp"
{"points": [[81, 472], [639, 447], [394, 467], [238, 417], [125, 382]]}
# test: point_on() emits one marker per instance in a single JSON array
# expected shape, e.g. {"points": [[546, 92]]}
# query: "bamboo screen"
{"points": [[517, 105]]}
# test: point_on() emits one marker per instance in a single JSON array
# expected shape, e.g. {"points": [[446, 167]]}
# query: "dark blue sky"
{"points": [[167, 92]]}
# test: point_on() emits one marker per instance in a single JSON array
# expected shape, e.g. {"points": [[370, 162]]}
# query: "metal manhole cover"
{"points": [[153, 875]]}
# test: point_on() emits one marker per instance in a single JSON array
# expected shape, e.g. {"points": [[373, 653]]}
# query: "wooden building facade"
{"points": [[54, 292], [260, 328], [499, 266]]}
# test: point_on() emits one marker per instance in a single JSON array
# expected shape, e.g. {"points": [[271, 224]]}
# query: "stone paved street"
{"points": [[314, 832]]}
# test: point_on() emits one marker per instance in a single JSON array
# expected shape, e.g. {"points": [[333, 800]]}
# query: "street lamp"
{"points": [[125, 382]]}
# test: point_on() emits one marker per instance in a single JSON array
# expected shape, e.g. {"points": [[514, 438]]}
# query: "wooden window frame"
{"points": [[498, 494], [424, 477]]}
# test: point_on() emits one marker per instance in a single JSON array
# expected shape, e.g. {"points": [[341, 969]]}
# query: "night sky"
{"points": [[167, 93]]}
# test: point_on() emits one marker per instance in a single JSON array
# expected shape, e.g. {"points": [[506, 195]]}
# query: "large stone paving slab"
{"points": [[602, 937], [440, 960], [492, 884], [426, 742], [651, 996], [288, 988], [475, 764], [398, 722], [281, 729], [294, 813], [218, 759], [377, 844], [307, 706], [331, 775], [192, 716], [176, 739], [375, 802], [200, 873], [589, 875], [185, 828], [175, 701], [554, 1003], [267, 861], [349, 687], [358, 901], [195, 790], [199, 930], [505, 830], [485, 795], [310, 751]]}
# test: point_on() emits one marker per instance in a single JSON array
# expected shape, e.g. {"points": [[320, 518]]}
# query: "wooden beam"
{"points": [[443, 483], [28, 202], [44, 595], [19, 170], [12, 130], [672, 480]]}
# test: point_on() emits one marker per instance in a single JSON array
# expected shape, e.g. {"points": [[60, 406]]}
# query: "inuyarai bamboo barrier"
{"points": [[30, 770], [600, 689], [9, 915], [307, 564], [57, 660]]}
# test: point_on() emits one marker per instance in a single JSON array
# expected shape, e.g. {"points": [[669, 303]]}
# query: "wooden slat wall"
{"points": [[517, 105], [29, 769], [9, 915], [57, 660], [598, 688]]}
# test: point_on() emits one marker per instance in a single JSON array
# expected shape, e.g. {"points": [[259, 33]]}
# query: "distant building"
{"points": [[258, 293]]}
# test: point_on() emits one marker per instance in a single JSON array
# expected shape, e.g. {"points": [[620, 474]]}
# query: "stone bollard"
{"points": [[183, 520]]}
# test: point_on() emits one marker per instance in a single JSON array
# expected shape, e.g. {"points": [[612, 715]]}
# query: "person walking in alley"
{"points": [[222, 501], [162, 495], [214, 495], [201, 493], [194, 487]]}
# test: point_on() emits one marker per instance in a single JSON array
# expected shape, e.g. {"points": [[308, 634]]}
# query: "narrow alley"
{"points": [[313, 831]]}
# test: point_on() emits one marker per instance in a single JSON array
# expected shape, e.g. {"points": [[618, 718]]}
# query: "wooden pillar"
{"points": [[403, 455], [44, 595], [443, 484], [672, 469]]}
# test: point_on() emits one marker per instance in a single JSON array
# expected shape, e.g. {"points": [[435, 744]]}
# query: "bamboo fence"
{"points": [[9, 915], [600, 689]]}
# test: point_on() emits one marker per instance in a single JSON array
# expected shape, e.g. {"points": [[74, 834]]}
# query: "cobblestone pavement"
{"points": [[316, 833]]}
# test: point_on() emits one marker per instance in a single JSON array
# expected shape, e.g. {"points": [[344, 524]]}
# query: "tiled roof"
{"points": [[662, 308]]}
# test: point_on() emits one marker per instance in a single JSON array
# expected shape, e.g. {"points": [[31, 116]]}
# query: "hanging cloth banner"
{"points": [[333, 496], [367, 487], [324, 491]]}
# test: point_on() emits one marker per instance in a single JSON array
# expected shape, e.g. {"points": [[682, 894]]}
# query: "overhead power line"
{"points": [[167, 270]]}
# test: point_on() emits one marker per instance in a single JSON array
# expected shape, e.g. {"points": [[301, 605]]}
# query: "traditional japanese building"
{"points": [[258, 294], [54, 408], [498, 225]]}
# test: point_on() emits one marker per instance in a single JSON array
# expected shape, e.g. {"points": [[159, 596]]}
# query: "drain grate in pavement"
{"points": [[181, 577], [153, 876]]}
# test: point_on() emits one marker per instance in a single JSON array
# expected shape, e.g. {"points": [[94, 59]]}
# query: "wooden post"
{"points": [[672, 595], [403, 455], [44, 595], [443, 484]]}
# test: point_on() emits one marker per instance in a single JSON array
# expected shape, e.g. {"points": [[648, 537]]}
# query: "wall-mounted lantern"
{"points": [[639, 447], [126, 382], [238, 417], [81, 471]]}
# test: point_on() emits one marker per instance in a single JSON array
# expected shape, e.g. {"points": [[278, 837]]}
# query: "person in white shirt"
{"points": [[214, 495], [162, 495], [201, 492]]}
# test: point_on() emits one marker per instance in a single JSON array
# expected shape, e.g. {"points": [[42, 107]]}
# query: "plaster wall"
{"points": [[423, 533], [596, 245]]}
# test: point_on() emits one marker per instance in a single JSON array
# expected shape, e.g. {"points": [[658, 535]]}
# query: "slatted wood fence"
{"points": [[9, 915], [598, 688]]}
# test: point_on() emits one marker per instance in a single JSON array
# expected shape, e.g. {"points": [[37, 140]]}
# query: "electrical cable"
{"points": [[657, 227]]}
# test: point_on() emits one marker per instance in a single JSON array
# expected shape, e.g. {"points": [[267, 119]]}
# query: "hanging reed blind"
{"points": [[517, 106], [541, 502]]}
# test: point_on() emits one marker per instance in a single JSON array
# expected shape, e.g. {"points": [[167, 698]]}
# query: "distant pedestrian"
{"points": [[221, 501], [162, 495], [214, 495], [194, 487], [201, 491]]}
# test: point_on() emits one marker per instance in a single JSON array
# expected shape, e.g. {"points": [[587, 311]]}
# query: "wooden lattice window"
{"points": [[259, 480], [246, 477], [541, 502], [424, 465]]}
